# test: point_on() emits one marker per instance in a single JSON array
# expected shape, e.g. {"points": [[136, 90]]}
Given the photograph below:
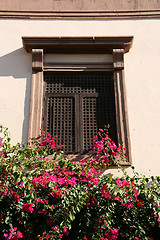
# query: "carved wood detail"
{"points": [[118, 59], [37, 59]]}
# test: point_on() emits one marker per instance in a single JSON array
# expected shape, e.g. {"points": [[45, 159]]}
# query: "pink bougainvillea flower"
{"points": [[27, 207], [19, 234], [91, 202], [34, 165], [38, 200], [5, 235], [112, 235], [42, 211], [53, 145], [13, 234], [122, 183], [83, 173], [116, 198], [95, 181], [105, 222], [57, 193], [129, 204], [55, 228], [140, 202], [65, 230], [45, 201], [95, 138], [16, 197], [49, 135], [105, 192], [136, 192], [21, 185], [126, 194]]}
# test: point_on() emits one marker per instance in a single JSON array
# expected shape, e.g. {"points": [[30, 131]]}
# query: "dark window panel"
{"points": [[83, 99]]}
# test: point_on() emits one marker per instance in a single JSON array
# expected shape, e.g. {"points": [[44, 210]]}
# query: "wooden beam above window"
{"points": [[77, 44], [78, 67]]}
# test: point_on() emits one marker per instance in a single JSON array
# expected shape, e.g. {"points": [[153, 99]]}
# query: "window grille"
{"points": [[76, 106]]}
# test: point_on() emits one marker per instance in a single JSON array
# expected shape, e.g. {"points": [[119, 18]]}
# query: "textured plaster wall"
{"points": [[56, 5], [141, 76]]}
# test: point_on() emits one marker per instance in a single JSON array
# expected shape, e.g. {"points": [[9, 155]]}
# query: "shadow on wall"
{"points": [[18, 65]]}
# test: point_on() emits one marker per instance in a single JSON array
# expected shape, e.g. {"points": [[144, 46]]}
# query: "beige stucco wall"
{"points": [[57, 5], [141, 76]]}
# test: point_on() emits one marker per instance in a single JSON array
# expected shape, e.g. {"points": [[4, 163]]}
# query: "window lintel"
{"points": [[77, 44]]}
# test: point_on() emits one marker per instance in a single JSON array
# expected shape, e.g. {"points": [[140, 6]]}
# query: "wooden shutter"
{"points": [[61, 119], [76, 106]]}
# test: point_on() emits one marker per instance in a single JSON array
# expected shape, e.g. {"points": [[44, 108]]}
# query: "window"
{"points": [[84, 109], [76, 106]]}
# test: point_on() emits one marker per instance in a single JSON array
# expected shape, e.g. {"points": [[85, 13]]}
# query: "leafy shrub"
{"points": [[46, 196]]}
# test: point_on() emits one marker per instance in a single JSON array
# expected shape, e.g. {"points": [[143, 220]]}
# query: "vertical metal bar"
{"points": [[45, 113], [81, 130], [60, 119], [68, 133], [56, 116], [50, 115], [64, 122], [77, 125], [53, 128], [71, 141], [90, 120]]}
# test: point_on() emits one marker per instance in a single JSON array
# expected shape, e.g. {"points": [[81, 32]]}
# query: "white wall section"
{"points": [[142, 77]]}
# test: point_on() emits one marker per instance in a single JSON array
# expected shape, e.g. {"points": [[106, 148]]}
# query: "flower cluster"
{"points": [[107, 152], [113, 234], [49, 142], [13, 234], [27, 207], [105, 192]]}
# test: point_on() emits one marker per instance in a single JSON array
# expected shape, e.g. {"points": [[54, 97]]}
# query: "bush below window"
{"points": [[45, 197]]}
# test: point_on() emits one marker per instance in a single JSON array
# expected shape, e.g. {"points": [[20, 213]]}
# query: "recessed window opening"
{"points": [[76, 106], [85, 109]]}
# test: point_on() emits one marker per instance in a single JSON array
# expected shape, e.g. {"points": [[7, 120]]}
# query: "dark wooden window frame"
{"points": [[117, 46]]}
